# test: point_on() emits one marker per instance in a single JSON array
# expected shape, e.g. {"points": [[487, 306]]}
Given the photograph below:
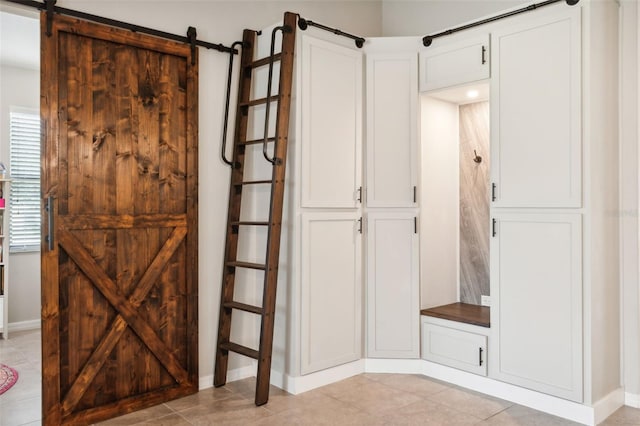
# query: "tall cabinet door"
{"points": [[393, 299], [331, 290], [329, 168], [392, 96], [536, 283], [536, 108], [331, 128]]}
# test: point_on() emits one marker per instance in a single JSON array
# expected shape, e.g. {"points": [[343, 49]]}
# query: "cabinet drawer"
{"points": [[455, 348], [455, 63]]}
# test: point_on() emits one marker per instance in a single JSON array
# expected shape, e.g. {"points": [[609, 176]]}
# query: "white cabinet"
{"points": [[331, 290], [535, 112], [455, 344], [331, 125], [393, 300], [326, 211], [446, 63], [392, 154], [536, 286]]}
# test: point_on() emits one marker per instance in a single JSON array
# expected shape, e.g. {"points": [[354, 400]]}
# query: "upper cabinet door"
{"points": [[392, 93], [536, 113], [331, 128], [454, 63]]}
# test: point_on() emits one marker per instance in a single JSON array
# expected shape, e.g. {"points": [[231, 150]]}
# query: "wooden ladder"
{"points": [[238, 182]]}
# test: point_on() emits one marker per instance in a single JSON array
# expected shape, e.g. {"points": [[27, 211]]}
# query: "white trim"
{"points": [[398, 366], [606, 406], [549, 404], [632, 399], [24, 325], [236, 374], [205, 382], [532, 399], [300, 384]]}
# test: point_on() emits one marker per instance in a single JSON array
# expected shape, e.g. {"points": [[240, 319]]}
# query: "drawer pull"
{"points": [[480, 356]]}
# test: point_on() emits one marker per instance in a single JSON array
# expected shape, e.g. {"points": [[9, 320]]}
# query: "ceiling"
{"points": [[19, 41]]}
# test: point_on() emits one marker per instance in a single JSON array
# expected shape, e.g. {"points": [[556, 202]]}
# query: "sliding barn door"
{"points": [[119, 251]]}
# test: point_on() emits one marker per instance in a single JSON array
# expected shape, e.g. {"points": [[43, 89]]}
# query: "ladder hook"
{"points": [[226, 107], [284, 29]]}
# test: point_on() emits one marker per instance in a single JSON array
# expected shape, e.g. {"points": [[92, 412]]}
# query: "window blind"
{"points": [[24, 197]]}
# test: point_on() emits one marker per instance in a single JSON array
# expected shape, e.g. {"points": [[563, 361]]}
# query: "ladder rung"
{"points": [[252, 182], [265, 61], [248, 265], [255, 141], [260, 101], [242, 350], [247, 223], [244, 307]]}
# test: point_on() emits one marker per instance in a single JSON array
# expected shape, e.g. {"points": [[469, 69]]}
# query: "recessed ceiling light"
{"points": [[472, 94]]}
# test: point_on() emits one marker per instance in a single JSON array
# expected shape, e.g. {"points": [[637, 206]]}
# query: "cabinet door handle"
{"points": [[50, 224], [493, 191], [480, 356], [493, 227], [415, 193], [359, 194], [484, 52], [415, 224], [360, 225]]}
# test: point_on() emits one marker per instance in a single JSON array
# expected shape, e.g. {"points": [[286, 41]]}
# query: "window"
{"points": [[24, 170]]}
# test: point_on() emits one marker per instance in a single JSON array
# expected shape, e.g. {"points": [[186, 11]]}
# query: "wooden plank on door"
{"points": [[119, 286]]}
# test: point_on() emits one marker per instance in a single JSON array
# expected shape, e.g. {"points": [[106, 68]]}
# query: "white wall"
{"points": [[630, 16], [20, 87], [439, 202]]}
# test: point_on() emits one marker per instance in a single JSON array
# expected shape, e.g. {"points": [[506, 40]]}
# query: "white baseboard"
{"points": [[542, 402], [532, 399], [608, 405], [24, 325], [536, 400], [398, 366], [632, 400], [300, 384], [205, 382], [232, 376]]}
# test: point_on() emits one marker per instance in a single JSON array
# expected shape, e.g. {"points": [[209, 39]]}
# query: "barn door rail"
{"points": [[427, 40], [51, 8], [303, 24]]}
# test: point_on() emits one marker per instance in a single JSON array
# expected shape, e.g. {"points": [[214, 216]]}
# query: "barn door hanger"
{"points": [[50, 7]]}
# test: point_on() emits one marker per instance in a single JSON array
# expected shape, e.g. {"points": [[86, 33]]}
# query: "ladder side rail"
{"points": [[276, 210], [235, 198]]}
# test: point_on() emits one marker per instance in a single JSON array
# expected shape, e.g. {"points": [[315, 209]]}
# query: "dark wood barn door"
{"points": [[119, 278]]}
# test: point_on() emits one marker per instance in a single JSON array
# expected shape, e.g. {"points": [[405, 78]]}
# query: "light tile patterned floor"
{"points": [[367, 399]]}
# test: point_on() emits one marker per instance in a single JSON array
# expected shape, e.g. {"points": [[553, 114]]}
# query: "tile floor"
{"points": [[367, 399]]}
